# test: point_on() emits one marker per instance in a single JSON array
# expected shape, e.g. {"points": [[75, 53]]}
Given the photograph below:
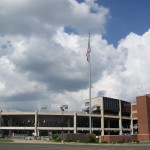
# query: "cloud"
{"points": [[101, 93], [42, 51], [130, 76], [30, 17], [43, 55]]}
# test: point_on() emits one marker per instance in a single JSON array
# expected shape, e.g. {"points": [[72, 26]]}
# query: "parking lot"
{"points": [[35, 146]]}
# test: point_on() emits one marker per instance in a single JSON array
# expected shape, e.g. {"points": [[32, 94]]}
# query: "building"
{"points": [[109, 116], [115, 115], [142, 113]]}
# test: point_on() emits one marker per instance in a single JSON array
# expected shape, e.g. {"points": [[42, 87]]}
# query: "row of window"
{"points": [[113, 104]]}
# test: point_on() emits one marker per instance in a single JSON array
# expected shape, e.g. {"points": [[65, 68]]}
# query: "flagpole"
{"points": [[89, 86]]}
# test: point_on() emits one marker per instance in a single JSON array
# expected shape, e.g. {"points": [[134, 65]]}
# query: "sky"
{"points": [[43, 48]]}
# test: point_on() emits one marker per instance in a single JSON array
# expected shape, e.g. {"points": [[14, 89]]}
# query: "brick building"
{"points": [[143, 117]]}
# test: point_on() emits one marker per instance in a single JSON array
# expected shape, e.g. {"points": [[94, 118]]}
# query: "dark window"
{"points": [[126, 108], [111, 103]]}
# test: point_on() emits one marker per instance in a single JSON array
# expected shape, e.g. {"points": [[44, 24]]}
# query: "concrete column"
{"points": [[0, 121], [102, 118], [131, 126], [120, 118], [35, 128], [75, 122], [131, 122]]}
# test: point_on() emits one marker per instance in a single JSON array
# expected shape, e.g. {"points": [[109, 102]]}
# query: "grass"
{"points": [[5, 140]]}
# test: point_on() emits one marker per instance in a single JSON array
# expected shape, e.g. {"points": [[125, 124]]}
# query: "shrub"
{"points": [[120, 142], [90, 138], [55, 137], [104, 142]]}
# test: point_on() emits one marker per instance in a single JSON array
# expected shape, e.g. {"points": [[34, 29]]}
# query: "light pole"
{"points": [[63, 107], [37, 120]]}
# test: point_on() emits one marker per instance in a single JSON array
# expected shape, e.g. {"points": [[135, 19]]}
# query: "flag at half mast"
{"points": [[88, 50]]}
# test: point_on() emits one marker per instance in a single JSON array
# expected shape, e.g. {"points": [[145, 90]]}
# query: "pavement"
{"points": [[48, 145], [75, 143], [43, 142], [35, 141]]}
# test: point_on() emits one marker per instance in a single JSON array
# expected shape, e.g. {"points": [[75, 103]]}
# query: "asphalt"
{"points": [[45, 145], [20, 144]]}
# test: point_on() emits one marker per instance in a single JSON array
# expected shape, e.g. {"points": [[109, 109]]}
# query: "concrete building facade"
{"points": [[109, 116]]}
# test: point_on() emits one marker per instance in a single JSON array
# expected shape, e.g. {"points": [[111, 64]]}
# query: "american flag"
{"points": [[88, 50]]}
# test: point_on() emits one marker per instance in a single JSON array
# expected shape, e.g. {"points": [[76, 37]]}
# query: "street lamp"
{"points": [[63, 107]]}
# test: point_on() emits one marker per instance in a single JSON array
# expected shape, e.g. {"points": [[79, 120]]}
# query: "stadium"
{"points": [[109, 117]]}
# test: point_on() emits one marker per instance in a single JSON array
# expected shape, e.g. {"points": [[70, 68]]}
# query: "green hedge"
{"points": [[90, 138], [56, 137]]}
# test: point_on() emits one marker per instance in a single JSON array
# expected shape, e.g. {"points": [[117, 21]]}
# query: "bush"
{"points": [[90, 138], [55, 137], [104, 142], [120, 142], [67, 140]]}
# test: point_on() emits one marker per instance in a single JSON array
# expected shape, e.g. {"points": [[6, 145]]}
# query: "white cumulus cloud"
{"points": [[43, 55]]}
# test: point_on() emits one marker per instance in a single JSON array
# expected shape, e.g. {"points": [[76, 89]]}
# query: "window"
{"points": [[111, 104]]}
